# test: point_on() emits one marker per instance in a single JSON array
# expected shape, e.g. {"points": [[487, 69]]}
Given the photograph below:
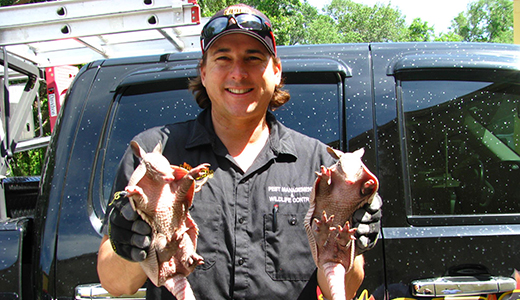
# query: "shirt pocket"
{"points": [[287, 252], [210, 229]]}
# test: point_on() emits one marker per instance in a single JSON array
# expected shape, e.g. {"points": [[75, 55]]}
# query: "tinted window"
{"points": [[141, 108], [314, 106], [461, 146]]}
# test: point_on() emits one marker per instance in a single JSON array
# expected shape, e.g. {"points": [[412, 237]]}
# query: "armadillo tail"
{"points": [[335, 274], [180, 288]]}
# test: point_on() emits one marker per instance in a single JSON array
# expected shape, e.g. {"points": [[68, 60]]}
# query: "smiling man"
{"points": [[247, 254]]}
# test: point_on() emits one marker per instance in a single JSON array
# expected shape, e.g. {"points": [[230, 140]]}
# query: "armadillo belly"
{"points": [[172, 255], [338, 192]]}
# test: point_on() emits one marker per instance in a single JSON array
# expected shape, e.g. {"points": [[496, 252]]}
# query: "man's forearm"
{"points": [[353, 279], [117, 275]]}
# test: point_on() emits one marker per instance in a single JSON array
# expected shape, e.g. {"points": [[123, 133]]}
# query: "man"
{"points": [[246, 256]]}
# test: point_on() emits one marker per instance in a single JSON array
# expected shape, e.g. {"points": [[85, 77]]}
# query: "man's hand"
{"points": [[367, 220], [130, 236]]}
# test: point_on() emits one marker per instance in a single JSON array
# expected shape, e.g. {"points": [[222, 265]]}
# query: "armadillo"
{"points": [[337, 193], [162, 194]]}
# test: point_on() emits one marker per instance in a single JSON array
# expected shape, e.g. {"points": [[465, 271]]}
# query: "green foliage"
{"points": [[360, 23], [13, 2], [449, 37], [419, 31], [30, 162], [345, 21], [486, 21]]}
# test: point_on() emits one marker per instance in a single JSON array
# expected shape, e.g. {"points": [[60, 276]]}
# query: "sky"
{"points": [[437, 13]]}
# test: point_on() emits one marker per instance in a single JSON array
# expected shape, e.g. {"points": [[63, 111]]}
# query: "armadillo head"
{"points": [[157, 166], [351, 169]]}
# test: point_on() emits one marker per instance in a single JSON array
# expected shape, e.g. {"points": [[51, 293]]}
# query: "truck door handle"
{"points": [[462, 286], [94, 291]]}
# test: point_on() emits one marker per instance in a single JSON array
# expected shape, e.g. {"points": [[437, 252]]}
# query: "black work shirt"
{"points": [[247, 254]]}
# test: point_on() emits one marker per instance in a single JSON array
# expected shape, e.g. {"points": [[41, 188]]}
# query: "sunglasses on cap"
{"points": [[243, 21]]}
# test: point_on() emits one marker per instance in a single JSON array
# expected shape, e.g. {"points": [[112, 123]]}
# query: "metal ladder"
{"points": [[74, 32], [78, 31]]}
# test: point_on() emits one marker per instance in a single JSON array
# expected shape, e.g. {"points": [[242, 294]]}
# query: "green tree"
{"points": [[360, 23], [419, 31], [448, 37], [209, 7], [486, 21], [304, 25]]}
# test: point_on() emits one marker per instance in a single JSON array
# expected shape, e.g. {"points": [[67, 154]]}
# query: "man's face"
{"points": [[240, 77]]}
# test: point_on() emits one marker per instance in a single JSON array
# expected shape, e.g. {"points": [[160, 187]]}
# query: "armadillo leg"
{"points": [[179, 286], [335, 274]]}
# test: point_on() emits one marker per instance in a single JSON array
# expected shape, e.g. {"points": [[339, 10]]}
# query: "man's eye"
{"points": [[254, 58]]}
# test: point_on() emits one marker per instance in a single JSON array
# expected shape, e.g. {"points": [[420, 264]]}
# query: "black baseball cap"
{"points": [[239, 18]]}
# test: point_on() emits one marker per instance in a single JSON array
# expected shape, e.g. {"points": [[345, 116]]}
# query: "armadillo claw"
{"points": [[193, 261], [326, 174], [323, 228], [345, 235]]}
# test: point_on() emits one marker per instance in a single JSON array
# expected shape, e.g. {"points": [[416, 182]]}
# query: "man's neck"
{"points": [[243, 140]]}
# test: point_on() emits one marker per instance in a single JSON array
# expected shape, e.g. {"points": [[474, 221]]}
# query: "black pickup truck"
{"points": [[439, 123]]}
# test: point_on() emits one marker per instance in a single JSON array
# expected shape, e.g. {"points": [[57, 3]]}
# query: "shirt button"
{"points": [[241, 261], [241, 220], [293, 221]]}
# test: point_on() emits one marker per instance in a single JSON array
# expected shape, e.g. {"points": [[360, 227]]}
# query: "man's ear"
{"points": [[277, 70], [202, 73]]}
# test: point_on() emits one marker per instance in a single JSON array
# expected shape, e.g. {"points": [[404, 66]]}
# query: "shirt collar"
{"points": [[202, 132], [280, 140]]}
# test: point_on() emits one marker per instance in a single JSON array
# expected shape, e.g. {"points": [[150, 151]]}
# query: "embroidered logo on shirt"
{"points": [[282, 194]]}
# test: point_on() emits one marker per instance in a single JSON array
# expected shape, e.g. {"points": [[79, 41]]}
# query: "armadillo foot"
{"points": [[345, 235], [193, 261], [323, 228], [325, 174]]}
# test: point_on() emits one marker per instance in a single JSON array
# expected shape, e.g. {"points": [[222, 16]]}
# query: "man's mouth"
{"points": [[239, 91]]}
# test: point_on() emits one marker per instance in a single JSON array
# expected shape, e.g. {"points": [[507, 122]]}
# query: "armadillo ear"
{"points": [[158, 148], [138, 151], [360, 152], [334, 152]]}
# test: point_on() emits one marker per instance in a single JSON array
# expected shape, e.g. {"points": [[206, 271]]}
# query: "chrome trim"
{"points": [[93, 291], [462, 286]]}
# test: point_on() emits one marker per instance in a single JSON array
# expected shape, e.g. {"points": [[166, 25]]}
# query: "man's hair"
{"points": [[280, 97]]}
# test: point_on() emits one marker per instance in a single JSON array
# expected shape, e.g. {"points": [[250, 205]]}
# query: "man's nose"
{"points": [[238, 71]]}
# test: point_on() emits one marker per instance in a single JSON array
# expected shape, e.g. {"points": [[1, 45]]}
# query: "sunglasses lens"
{"points": [[223, 23], [215, 27], [250, 22]]}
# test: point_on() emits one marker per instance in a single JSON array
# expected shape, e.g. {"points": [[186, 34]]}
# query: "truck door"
{"points": [[448, 132]]}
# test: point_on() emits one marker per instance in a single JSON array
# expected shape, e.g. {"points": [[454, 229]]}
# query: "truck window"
{"points": [[461, 145], [312, 110], [140, 108]]}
